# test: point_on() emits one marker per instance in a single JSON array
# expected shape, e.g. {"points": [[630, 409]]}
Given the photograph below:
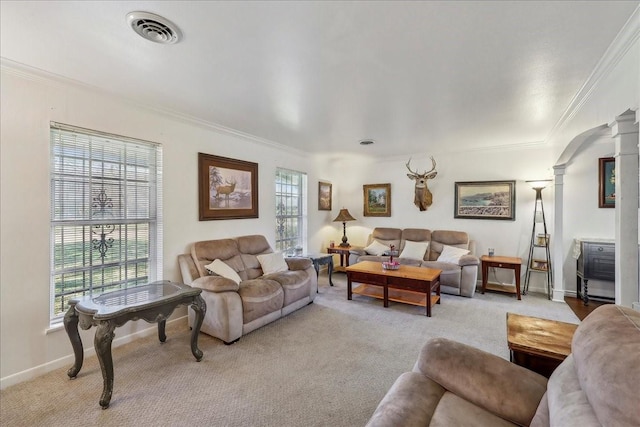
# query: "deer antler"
{"points": [[433, 162], [407, 165]]}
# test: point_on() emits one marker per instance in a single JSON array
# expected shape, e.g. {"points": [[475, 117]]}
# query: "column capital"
{"points": [[624, 124]]}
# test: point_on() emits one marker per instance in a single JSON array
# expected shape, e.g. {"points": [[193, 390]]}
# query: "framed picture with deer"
{"points": [[227, 188], [485, 200], [377, 199]]}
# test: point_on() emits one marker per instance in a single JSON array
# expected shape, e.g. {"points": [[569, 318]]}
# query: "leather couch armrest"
{"points": [[501, 387], [468, 260], [215, 284], [298, 263]]}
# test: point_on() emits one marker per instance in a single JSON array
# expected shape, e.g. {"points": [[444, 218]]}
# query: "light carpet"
{"points": [[328, 364]]}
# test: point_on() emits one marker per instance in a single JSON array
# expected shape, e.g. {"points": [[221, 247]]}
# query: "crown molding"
{"points": [[37, 75], [624, 40]]}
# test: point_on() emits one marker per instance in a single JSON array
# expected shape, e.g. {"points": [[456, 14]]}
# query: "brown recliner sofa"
{"points": [[458, 278], [453, 384], [235, 309]]}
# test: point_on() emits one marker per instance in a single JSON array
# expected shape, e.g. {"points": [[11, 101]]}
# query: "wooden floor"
{"points": [[580, 309]]}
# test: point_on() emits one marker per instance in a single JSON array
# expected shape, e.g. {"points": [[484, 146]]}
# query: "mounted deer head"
{"points": [[423, 196]]}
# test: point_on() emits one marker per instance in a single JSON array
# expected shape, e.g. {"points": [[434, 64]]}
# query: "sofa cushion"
{"points": [[605, 351], [222, 269], [453, 410], [386, 236], [215, 284], [205, 252], [439, 238], [295, 284], [249, 247], [451, 254], [272, 263], [376, 248], [259, 298], [414, 250], [567, 403]]}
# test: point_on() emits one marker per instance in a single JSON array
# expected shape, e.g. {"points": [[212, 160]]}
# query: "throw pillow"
{"points": [[414, 250], [376, 248], [272, 263], [451, 254], [223, 269]]}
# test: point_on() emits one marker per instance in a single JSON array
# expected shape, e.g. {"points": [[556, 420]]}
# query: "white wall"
{"points": [[509, 238], [29, 103], [583, 218]]}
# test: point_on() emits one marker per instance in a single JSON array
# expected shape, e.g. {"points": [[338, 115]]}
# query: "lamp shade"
{"points": [[539, 184], [344, 216]]}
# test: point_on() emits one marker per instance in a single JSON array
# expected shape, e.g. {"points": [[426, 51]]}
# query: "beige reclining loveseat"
{"points": [[457, 278], [235, 309]]}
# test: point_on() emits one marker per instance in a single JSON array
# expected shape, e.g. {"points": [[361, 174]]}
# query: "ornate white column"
{"points": [[625, 134], [558, 231]]}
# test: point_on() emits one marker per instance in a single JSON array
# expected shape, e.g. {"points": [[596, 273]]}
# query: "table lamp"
{"points": [[343, 217]]}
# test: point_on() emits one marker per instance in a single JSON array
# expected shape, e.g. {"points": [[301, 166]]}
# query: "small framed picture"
{"points": [[607, 182], [377, 199], [324, 196]]}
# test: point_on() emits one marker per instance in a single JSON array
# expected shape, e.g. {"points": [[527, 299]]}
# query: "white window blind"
{"points": [[291, 210], [106, 213]]}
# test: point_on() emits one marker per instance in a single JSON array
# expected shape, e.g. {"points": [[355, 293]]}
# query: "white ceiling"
{"points": [[320, 76]]}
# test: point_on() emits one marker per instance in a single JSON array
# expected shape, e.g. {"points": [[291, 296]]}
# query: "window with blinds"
{"points": [[291, 210], [106, 221]]}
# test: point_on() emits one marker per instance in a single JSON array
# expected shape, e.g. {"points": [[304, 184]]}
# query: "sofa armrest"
{"points": [[298, 263], [468, 260], [215, 284], [501, 387], [357, 250]]}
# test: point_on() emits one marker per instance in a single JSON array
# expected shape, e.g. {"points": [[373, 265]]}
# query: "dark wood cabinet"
{"points": [[597, 261]]}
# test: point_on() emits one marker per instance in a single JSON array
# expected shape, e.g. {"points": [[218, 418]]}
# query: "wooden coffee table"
{"points": [[538, 344], [408, 285]]}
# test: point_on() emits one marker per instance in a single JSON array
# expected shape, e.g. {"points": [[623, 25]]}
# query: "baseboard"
{"points": [[69, 360]]}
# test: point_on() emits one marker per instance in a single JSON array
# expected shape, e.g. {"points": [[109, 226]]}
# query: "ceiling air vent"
{"points": [[153, 27]]}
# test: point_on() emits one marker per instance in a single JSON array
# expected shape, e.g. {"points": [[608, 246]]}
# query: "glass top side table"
{"points": [[153, 302]]}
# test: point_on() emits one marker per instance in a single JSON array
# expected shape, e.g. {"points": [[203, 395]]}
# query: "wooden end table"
{"points": [[513, 263], [153, 302], [343, 251], [538, 344]]}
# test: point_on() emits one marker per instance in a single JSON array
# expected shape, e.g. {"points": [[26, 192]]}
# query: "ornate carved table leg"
{"points": [[71, 326], [200, 307], [161, 327], [102, 342], [585, 296]]}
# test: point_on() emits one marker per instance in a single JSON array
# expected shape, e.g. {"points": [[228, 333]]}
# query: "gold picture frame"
{"points": [[377, 199], [324, 196]]}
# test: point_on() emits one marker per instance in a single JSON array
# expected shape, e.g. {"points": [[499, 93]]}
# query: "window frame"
{"points": [[81, 236], [299, 239]]}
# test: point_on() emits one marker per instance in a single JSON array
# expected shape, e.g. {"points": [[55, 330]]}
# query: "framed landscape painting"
{"points": [[607, 182], [228, 188], [377, 199], [485, 200], [324, 196]]}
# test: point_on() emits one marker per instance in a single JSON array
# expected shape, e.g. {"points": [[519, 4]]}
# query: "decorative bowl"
{"points": [[390, 265]]}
